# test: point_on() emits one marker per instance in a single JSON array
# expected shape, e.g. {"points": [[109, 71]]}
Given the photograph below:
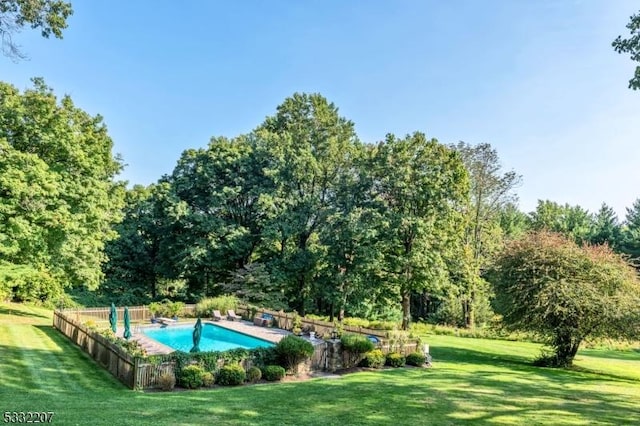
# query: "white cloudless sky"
{"points": [[538, 80]]}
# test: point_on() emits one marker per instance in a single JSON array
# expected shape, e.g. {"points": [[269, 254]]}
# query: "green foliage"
{"points": [[206, 306], [190, 377], [395, 359], [416, 358], [166, 308], [292, 350], [231, 375], [356, 343], [373, 359], [49, 16], [422, 185], [132, 347], [547, 284], [491, 191], [252, 284], [24, 283], [272, 373], [365, 323], [605, 228], [208, 379], [264, 356], [631, 46], [167, 381], [59, 197], [574, 222], [254, 374]]}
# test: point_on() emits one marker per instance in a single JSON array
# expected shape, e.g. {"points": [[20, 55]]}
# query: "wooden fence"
{"points": [[324, 328], [136, 313], [133, 372], [138, 373], [120, 364]]}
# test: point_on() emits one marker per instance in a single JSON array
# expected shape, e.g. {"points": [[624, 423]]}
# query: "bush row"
{"points": [[194, 370], [194, 376], [376, 359]]}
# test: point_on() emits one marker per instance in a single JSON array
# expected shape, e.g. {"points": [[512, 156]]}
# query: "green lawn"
{"points": [[473, 381]]}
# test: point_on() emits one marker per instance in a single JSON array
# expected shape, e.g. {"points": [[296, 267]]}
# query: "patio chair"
{"points": [[217, 316], [231, 315]]}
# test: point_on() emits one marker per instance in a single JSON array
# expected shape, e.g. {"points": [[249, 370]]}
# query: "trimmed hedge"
{"points": [[292, 350], [190, 377], [273, 373], [417, 359], [231, 375], [254, 374], [356, 343], [207, 379], [373, 359], [394, 359]]}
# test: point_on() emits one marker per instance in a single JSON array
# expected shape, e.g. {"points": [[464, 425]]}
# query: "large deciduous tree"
{"points": [[420, 186], [545, 283], [227, 200], [59, 198], [49, 16], [631, 46], [306, 146], [491, 191]]}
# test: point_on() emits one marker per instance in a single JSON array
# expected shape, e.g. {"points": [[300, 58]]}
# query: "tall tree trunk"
{"points": [[406, 309], [470, 314]]}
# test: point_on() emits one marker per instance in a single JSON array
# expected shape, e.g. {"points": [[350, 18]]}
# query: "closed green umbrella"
{"points": [[197, 334], [127, 324], [113, 318]]}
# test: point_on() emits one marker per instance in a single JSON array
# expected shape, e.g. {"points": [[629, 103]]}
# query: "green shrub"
{"points": [[167, 381], [190, 377], [292, 350], [356, 343], [373, 359], [383, 325], [273, 373], [207, 379], [206, 306], [231, 375], [395, 359], [166, 308], [356, 322], [416, 358], [254, 374], [265, 356]]}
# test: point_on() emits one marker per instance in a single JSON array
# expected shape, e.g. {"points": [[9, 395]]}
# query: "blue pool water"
{"points": [[214, 338]]}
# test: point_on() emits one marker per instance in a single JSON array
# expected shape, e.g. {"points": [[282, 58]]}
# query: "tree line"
{"points": [[300, 214], [297, 214]]}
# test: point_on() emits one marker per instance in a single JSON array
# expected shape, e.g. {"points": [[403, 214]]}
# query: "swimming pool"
{"points": [[214, 338]]}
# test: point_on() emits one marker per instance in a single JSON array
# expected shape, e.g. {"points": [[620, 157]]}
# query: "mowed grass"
{"points": [[473, 381]]}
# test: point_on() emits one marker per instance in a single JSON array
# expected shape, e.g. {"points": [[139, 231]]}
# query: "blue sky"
{"points": [[537, 79]]}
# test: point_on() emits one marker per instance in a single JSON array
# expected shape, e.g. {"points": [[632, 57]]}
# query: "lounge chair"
{"points": [[231, 315], [166, 321], [217, 316]]}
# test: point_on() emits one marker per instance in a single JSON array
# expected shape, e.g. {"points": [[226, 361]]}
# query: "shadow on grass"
{"points": [[630, 355], [4, 310], [55, 365], [519, 363]]}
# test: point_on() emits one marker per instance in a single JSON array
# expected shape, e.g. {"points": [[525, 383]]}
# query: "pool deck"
{"points": [[273, 335]]}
